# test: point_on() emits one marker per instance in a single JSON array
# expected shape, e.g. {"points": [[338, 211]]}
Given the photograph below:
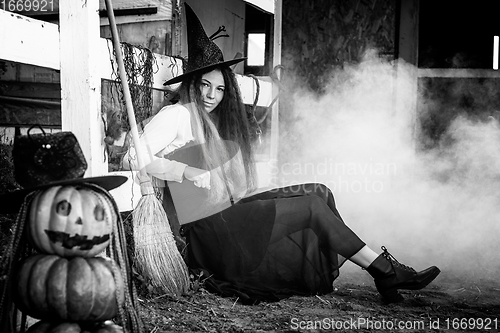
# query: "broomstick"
{"points": [[156, 254]]}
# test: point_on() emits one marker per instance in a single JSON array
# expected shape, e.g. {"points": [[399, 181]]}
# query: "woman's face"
{"points": [[212, 89]]}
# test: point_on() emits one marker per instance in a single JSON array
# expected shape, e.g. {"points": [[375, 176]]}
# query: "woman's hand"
{"points": [[200, 177]]}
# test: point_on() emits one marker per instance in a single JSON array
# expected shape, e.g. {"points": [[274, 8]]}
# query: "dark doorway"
{"points": [[457, 34], [258, 39]]}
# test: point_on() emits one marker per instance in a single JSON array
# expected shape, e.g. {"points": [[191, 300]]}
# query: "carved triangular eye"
{"points": [[63, 208], [99, 213]]}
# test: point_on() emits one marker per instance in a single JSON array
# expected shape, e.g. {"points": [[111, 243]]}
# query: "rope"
{"points": [[129, 316], [258, 131], [256, 99], [275, 79], [13, 254]]}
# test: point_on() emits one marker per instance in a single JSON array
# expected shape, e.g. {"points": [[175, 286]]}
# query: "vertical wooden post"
{"points": [[408, 52], [408, 31], [406, 81], [176, 28], [79, 44], [276, 61]]}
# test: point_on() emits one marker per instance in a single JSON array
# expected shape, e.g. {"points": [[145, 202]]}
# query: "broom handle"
{"points": [[126, 90]]}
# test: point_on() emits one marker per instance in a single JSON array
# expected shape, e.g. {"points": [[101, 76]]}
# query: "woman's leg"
{"points": [[364, 257], [298, 213], [315, 209]]}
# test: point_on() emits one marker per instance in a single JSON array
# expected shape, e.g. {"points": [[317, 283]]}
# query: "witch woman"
{"points": [[263, 245]]}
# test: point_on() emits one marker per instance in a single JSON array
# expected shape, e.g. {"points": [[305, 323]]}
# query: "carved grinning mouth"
{"points": [[70, 242]]}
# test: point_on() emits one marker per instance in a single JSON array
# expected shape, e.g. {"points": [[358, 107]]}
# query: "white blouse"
{"points": [[167, 131]]}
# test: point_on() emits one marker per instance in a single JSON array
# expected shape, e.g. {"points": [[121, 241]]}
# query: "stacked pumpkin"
{"points": [[65, 284]]}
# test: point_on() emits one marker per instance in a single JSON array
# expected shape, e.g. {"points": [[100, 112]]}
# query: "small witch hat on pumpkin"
{"points": [[203, 53], [43, 160]]}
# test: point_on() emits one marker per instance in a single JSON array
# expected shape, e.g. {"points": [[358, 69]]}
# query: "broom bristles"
{"points": [[156, 252]]}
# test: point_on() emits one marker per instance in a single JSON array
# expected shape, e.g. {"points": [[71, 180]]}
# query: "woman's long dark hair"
{"points": [[228, 121]]}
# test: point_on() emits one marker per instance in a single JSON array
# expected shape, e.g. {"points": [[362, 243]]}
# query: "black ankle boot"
{"points": [[390, 275]]}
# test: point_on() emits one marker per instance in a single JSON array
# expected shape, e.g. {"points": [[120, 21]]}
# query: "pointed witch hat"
{"points": [[203, 53]]}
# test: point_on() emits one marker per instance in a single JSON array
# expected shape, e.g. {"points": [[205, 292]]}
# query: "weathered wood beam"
{"points": [[34, 90], [131, 11], [54, 16], [407, 68], [408, 31], [127, 11], [21, 100], [458, 72], [79, 49], [23, 39], [26, 113], [277, 40]]}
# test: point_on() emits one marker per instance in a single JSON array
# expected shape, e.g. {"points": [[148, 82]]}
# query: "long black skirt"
{"points": [[287, 241]]}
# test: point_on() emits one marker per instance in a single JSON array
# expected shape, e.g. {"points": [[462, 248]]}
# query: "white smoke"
{"points": [[433, 207]]}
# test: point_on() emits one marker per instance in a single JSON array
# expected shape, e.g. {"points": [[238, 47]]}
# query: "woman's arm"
{"points": [[170, 124]]}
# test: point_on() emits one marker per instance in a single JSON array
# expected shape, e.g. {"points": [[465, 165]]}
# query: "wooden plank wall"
{"points": [[126, 11], [322, 34]]}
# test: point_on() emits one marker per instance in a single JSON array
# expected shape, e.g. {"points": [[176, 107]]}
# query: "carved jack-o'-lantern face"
{"points": [[70, 221]]}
